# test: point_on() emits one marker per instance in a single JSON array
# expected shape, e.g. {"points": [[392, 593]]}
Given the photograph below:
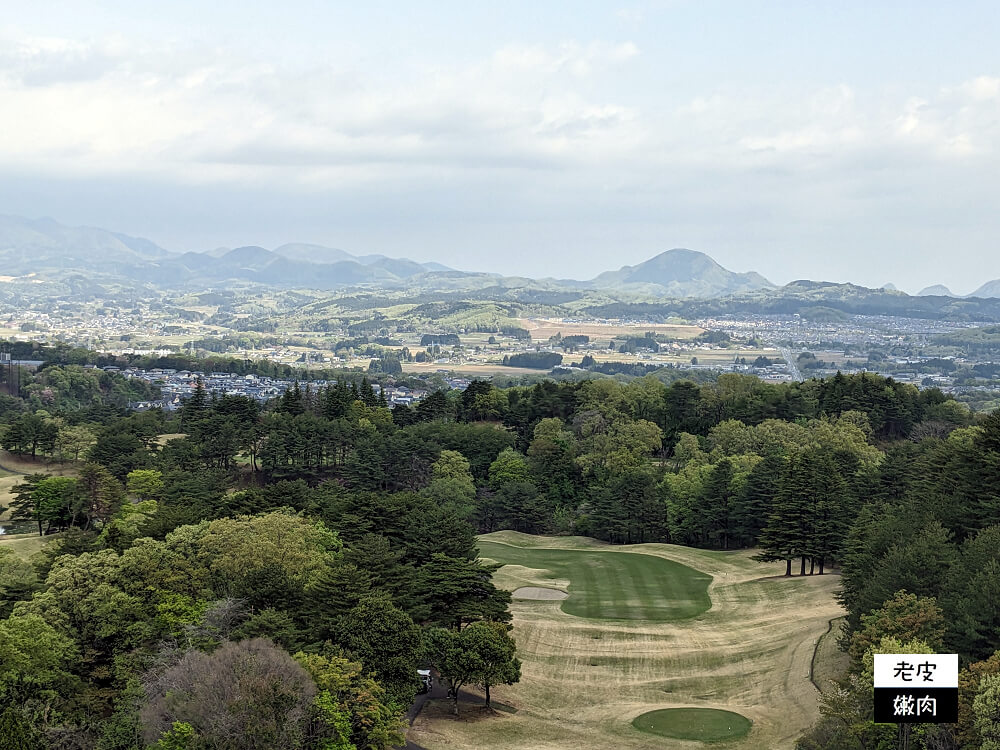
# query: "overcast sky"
{"points": [[827, 140]]}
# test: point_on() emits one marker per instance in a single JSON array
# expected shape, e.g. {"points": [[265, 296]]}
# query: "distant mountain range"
{"points": [[989, 289], [45, 248]]}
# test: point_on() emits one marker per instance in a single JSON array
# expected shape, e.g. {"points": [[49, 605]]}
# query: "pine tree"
{"points": [[196, 407], [833, 508], [434, 407], [332, 594], [292, 401], [752, 506], [336, 399], [368, 397], [717, 504], [787, 532]]}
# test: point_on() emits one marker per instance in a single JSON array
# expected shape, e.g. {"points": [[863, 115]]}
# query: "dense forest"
{"points": [[329, 542]]}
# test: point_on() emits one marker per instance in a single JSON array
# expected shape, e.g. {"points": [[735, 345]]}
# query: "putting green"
{"points": [[614, 585], [704, 724]]}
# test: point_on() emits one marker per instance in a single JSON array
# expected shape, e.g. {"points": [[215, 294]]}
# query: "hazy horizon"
{"points": [[835, 142]]}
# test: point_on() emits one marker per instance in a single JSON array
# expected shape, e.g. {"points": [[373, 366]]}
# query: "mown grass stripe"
{"points": [[605, 585]]}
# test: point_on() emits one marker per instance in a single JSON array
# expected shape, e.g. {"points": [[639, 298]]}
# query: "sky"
{"points": [[842, 141]]}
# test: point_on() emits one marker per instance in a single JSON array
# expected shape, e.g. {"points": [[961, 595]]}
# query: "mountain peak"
{"points": [[312, 253], [681, 273], [249, 254], [989, 289], [937, 290]]}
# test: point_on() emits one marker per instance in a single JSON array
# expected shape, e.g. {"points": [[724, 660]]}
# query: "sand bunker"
{"points": [[537, 592]]}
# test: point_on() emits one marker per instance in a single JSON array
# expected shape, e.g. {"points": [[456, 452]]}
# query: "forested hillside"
{"points": [[314, 552]]}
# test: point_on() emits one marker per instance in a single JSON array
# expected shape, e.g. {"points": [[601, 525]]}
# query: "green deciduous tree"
{"points": [[180, 736], [17, 580], [127, 525], [496, 650], [145, 484], [386, 641], [482, 653], [73, 441], [905, 617], [509, 466], [451, 481], [986, 710], [18, 733], [346, 695], [35, 661], [969, 682]]}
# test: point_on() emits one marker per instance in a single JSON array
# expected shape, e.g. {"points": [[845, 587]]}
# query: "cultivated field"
{"points": [[586, 678], [542, 328], [475, 369]]}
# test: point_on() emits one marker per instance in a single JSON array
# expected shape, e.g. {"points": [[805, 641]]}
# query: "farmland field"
{"points": [[475, 369], [542, 328], [585, 679]]}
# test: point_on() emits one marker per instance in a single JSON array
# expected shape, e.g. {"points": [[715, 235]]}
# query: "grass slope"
{"points": [[585, 680], [26, 545], [606, 586]]}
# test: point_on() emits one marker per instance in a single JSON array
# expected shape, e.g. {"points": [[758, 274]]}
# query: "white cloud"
{"points": [[840, 125], [981, 88], [157, 111], [104, 107], [570, 57]]}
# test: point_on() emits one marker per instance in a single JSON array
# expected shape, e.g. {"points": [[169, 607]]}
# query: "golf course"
{"points": [[613, 587], [647, 646], [12, 472]]}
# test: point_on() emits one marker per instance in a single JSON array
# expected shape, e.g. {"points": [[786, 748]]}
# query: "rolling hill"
{"points": [[680, 273], [937, 290]]}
